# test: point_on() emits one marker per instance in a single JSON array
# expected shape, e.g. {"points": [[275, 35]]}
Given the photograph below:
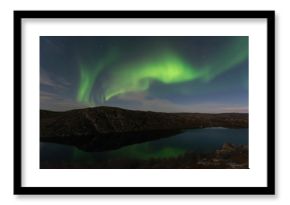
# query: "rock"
{"points": [[227, 147]]}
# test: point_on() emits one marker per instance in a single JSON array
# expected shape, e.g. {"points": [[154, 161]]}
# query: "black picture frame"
{"points": [[269, 189]]}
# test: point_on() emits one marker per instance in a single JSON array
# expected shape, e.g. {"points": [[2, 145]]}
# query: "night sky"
{"points": [[206, 74]]}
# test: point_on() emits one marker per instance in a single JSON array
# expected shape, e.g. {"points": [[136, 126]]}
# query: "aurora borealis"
{"points": [[167, 74]]}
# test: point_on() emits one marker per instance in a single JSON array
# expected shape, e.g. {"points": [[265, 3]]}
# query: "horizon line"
{"points": [[144, 110]]}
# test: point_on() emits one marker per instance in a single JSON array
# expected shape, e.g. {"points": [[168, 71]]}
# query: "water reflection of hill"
{"points": [[112, 141]]}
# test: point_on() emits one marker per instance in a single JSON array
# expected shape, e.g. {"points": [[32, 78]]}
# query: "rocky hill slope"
{"points": [[100, 121]]}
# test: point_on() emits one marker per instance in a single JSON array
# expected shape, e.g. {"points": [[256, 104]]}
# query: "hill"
{"points": [[105, 128]]}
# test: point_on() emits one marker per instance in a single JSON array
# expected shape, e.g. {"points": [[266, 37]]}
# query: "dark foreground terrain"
{"points": [[107, 120], [106, 128], [229, 156]]}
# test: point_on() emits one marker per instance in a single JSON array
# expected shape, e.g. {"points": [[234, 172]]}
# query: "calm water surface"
{"points": [[195, 140]]}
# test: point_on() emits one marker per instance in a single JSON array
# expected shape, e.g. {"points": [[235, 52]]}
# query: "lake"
{"points": [[204, 140]]}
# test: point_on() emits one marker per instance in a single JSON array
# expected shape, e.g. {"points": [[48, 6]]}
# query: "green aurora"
{"points": [[167, 67], [88, 76]]}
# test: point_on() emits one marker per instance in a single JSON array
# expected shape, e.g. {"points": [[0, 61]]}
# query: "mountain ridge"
{"points": [[119, 108]]}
